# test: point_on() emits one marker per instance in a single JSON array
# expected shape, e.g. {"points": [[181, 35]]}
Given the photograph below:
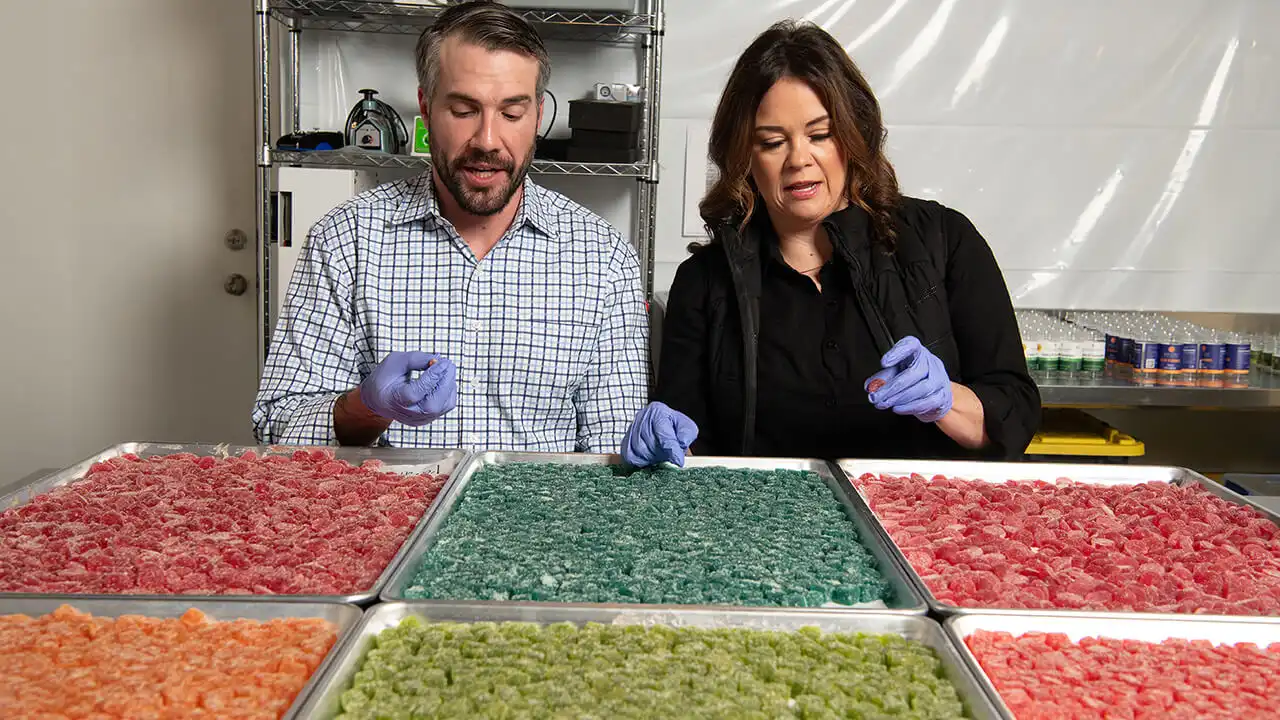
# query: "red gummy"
{"points": [[1042, 675], [875, 385], [1151, 547], [301, 524]]}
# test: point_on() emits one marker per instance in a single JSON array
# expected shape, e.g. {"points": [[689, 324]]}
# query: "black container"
{"points": [[621, 117], [556, 149], [606, 139]]}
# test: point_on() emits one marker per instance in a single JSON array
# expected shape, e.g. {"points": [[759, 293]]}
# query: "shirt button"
{"points": [[831, 345], [831, 402], [474, 325], [473, 440]]}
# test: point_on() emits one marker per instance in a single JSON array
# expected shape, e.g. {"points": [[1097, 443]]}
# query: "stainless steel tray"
{"points": [[908, 599], [346, 617], [1000, 472], [1080, 625], [324, 702], [395, 460]]}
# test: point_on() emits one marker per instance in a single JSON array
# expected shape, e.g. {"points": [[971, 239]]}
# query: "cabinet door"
{"points": [[129, 156], [304, 196]]}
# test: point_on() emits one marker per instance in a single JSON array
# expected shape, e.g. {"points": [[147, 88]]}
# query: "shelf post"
{"points": [[262, 32]]}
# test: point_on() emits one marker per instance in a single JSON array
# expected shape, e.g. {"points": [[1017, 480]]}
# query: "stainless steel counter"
{"points": [[1263, 392]]}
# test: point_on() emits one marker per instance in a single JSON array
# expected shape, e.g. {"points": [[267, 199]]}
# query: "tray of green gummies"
{"points": [[585, 529], [533, 660]]}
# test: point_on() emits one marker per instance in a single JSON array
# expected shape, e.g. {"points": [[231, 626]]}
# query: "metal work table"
{"points": [[1263, 392]]}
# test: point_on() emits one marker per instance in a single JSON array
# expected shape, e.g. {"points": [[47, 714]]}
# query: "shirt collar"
{"points": [[421, 203]]}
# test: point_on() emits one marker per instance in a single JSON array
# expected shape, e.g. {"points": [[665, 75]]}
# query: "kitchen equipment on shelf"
{"points": [[375, 125]]}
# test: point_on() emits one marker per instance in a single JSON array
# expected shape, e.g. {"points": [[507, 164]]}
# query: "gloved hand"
{"points": [[392, 393], [658, 434], [914, 382]]}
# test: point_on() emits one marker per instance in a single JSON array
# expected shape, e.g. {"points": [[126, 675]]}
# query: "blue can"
{"points": [[1237, 364], [1146, 361], [1124, 355], [1168, 363], [1190, 364], [1213, 364]]}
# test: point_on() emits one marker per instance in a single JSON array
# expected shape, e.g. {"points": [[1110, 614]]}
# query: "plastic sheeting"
{"points": [[1116, 155]]}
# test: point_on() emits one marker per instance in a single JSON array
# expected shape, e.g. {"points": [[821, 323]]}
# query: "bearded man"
{"points": [[467, 307]]}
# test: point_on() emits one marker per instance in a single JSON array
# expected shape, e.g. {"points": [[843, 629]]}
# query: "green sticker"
{"points": [[421, 145]]}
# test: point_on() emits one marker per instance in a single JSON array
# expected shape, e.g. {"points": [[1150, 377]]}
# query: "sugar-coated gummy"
{"points": [[484, 670], [1149, 547], [1046, 675], [590, 533], [295, 524], [70, 664]]}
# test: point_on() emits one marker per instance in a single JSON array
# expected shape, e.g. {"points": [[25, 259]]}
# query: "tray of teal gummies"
{"points": [[534, 660], [584, 529]]}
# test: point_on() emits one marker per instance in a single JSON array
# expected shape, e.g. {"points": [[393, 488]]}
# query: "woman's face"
{"points": [[795, 163]]}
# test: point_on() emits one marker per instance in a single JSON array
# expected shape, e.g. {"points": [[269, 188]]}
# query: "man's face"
{"points": [[483, 121]]}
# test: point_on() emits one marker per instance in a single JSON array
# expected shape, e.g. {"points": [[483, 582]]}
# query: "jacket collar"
{"points": [[849, 230], [421, 203]]}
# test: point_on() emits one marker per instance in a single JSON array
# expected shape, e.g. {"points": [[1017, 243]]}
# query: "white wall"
{"points": [[128, 141], [1116, 153]]}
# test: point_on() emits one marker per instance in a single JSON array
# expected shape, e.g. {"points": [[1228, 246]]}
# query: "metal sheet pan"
{"points": [[324, 702], [908, 599], [1081, 625], [396, 460], [1000, 472], [346, 617]]}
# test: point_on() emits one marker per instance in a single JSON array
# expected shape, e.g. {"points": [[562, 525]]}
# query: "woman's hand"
{"points": [[915, 382]]}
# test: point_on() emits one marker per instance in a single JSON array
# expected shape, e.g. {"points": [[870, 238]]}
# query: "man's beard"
{"points": [[487, 201]]}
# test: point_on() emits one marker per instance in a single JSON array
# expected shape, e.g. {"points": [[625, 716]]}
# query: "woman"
{"points": [[829, 316]]}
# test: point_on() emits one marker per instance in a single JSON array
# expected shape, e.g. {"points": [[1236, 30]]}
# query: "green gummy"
{"points": [[511, 670]]}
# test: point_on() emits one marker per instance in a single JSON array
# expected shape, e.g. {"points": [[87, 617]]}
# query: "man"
{"points": [[467, 307]]}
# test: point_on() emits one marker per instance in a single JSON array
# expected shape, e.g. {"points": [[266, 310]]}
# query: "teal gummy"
{"points": [[565, 533]]}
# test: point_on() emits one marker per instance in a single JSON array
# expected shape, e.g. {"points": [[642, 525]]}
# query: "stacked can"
{"points": [[1152, 349]]}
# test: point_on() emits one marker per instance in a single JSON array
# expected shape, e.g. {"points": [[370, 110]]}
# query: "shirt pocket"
{"points": [[553, 352]]}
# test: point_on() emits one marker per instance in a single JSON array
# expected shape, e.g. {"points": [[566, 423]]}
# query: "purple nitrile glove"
{"points": [[391, 392], [914, 382], [659, 434]]}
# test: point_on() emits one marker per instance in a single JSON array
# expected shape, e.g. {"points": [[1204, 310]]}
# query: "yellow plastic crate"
{"points": [[1072, 433], [1113, 444]]}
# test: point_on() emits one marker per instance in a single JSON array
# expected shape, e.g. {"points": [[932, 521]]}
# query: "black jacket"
{"points": [[940, 284]]}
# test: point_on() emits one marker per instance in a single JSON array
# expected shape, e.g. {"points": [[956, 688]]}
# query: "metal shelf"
{"points": [[392, 17], [280, 101], [362, 160], [1263, 392]]}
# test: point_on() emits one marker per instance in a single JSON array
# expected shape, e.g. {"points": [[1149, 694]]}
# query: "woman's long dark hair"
{"points": [[807, 53]]}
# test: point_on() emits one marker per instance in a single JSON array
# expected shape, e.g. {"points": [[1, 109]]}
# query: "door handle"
{"points": [[235, 284], [236, 239]]}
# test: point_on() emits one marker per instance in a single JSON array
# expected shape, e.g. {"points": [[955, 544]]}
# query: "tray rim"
{"points": [[980, 706], [956, 468], [349, 619], [914, 603], [955, 627], [77, 471]]}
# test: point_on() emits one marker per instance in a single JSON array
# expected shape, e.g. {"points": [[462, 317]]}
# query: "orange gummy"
{"points": [[72, 664]]}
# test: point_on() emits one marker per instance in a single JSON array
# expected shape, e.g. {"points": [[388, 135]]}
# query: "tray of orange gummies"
{"points": [[164, 658]]}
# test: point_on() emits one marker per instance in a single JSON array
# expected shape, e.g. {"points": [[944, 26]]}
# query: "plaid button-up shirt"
{"points": [[548, 331]]}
